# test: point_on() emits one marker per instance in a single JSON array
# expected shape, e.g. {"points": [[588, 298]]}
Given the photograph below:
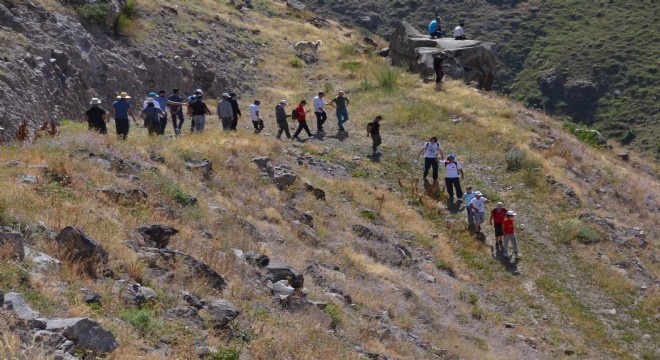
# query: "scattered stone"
{"points": [[42, 263], [93, 298], [28, 317], [647, 337], [296, 5], [85, 333], [624, 156], [283, 177], [12, 245], [157, 236], [384, 52], [51, 342], [139, 295], [367, 234], [408, 294], [318, 193], [193, 300], [204, 166], [318, 22], [257, 259], [120, 196], [27, 179], [282, 288], [222, 312], [422, 276], [280, 271], [569, 352], [80, 247], [510, 325], [187, 314]]}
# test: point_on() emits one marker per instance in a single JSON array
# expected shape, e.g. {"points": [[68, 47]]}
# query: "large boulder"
{"points": [[280, 271], [222, 312], [87, 334], [80, 247], [23, 312], [157, 236], [470, 60], [50, 342], [204, 167], [11, 245]]}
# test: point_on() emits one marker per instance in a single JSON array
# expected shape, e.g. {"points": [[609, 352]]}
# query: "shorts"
{"points": [[498, 230], [479, 217]]}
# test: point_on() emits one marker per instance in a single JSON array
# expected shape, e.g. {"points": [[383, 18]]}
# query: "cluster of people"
{"points": [[436, 29]]}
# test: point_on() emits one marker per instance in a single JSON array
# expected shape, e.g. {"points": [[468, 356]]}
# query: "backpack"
{"points": [[294, 114]]}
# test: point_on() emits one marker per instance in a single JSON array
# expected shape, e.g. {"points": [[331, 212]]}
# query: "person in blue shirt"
{"points": [[121, 109], [435, 28], [469, 195], [163, 101], [176, 111]]}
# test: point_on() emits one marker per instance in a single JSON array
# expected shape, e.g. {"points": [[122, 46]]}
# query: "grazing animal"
{"points": [[302, 46]]}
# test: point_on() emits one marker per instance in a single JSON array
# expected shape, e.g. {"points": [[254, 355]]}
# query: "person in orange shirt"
{"points": [[508, 228]]}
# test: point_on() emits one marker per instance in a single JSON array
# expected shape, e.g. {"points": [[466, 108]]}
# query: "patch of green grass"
{"points": [[575, 230], [94, 14], [172, 190], [347, 50], [296, 62], [224, 354], [368, 214], [360, 174], [335, 314], [388, 77], [143, 320], [126, 17], [468, 297]]}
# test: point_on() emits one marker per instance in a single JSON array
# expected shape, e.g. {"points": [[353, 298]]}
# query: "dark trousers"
{"points": [[177, 124], [428, 164], [153, 127], [437, 33], [460, 38], [302, 125], [192, 123], [283, 127], [99, 126], [456, 182], [439, 74], [122, 128], [234, 122], [376, 141], [320, 119], [163, 125], [258, 125]]}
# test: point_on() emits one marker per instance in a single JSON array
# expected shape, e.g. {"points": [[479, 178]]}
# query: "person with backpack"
{"points": [[225, 112], [233, 100], [301, 116], [373, 131], [95, 117], [151, 116], [121, 109], [452, 170], [199, 110], [255, 116], [478, 208], [432, 158], [190, 100], [497, 216], [341, 102], [508, 228], [280, 117], [319, 111]]}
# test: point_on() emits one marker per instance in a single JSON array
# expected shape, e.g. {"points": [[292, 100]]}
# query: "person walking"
{"points": [[199, 110], [301, 116], [439, 67], [121, 109], [373, 131], [233, 100], [163, 102], [280, 117], [255, 116], [225, 112], [452, 170], [496, 218], [176, 110], [508, 227], [95, 117], [319, 111], [152, 115], [341, 102], [459, 32], [469, 195], [190, 100], [477, 206], [432, 158]]}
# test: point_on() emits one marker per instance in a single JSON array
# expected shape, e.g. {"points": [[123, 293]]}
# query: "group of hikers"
{"points": [[436, 29]]}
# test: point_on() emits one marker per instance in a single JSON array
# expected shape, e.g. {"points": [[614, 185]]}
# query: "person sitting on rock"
{"points": [[459, 32], [435, 28]]}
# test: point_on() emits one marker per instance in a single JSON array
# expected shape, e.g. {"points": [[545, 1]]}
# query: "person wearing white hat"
{"points": [[95, 117], [121, 109], [478, 209], [151, 116], [225, 112], [192, 99], [508, 227], [280, 116], [497, 217]]}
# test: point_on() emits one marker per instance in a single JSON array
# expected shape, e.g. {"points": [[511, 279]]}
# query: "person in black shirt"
{"points": [[199, 110], [95, 117], [233, 99], [373, 131], [438, 66]]}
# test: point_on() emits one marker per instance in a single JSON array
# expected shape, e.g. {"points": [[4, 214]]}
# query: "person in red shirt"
{"points": [[508, 227], [497, 216], [302, 120]]}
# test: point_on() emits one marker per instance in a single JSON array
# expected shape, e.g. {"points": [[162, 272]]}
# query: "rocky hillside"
{"points": [[590, 61], [239, 246]]}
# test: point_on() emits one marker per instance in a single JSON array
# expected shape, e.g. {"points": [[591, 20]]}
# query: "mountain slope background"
{"points": [[594, 62], [390, 260]]}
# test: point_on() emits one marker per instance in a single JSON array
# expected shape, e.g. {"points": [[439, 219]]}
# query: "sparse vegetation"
{"points": [[94, 13]]}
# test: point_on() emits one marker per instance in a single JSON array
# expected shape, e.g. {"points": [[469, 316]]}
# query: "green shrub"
{"points": [[335, 314], [143, 320], [224, 354], [351, 66], [296, 62], [575, 230], [515, 159], [388, 77], [126, 17], [347, 50], [365, 85], [468, 297], [94, 14], [368, 214], [360, 174]]}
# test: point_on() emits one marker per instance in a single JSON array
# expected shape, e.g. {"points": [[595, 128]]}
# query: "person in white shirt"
{"points": [[319, 111], [432, 158], [255, 116], [479, 210], [453, 168], [459, 32]]}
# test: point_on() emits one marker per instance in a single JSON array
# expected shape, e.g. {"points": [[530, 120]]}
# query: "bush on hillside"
{"points": [[388, 77], [126, 17], [575, 230], [296, 62], [94, 14], [515, 159]]}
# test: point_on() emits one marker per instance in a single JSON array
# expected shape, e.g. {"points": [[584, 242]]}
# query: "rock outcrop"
{"points": [[87, 334], [470, 60]]}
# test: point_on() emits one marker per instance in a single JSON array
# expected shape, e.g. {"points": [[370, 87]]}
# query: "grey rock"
{"points": [[277, 271], [222, 312], [81, 248], [49, 341], [257, 259], [42, 263], [368, 234], [27, 179], [624, 156], [283, 177], [12, 244], [204, 166], [187, 314], [85, 333], [422, 276], [28, 317], [509, 325], [139, 295], [125, 196], [193, 300], [318, 193], [282, 288], [157, 236], [296, 5]]}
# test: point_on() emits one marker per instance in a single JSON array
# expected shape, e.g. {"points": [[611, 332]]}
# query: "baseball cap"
{"points": [[199, 91], [152, 94], [225, 95], [284, 102], [511, 213]]}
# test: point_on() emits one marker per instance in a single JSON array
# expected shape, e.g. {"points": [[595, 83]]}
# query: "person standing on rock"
{"points": [[301, 116], [341, 102], [225, 112], [432, 158], [469, 195], [192, 99], [233, 99], [280, 117], [319, 111], [508, 227], [459, 32], [435, 28], [121, 109], [477, 206], [199, 110], [152, 115], [452, 170], [255, 116], [95, 117], [439, 66], [176, 110], [373, 131], [496, 218]]}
